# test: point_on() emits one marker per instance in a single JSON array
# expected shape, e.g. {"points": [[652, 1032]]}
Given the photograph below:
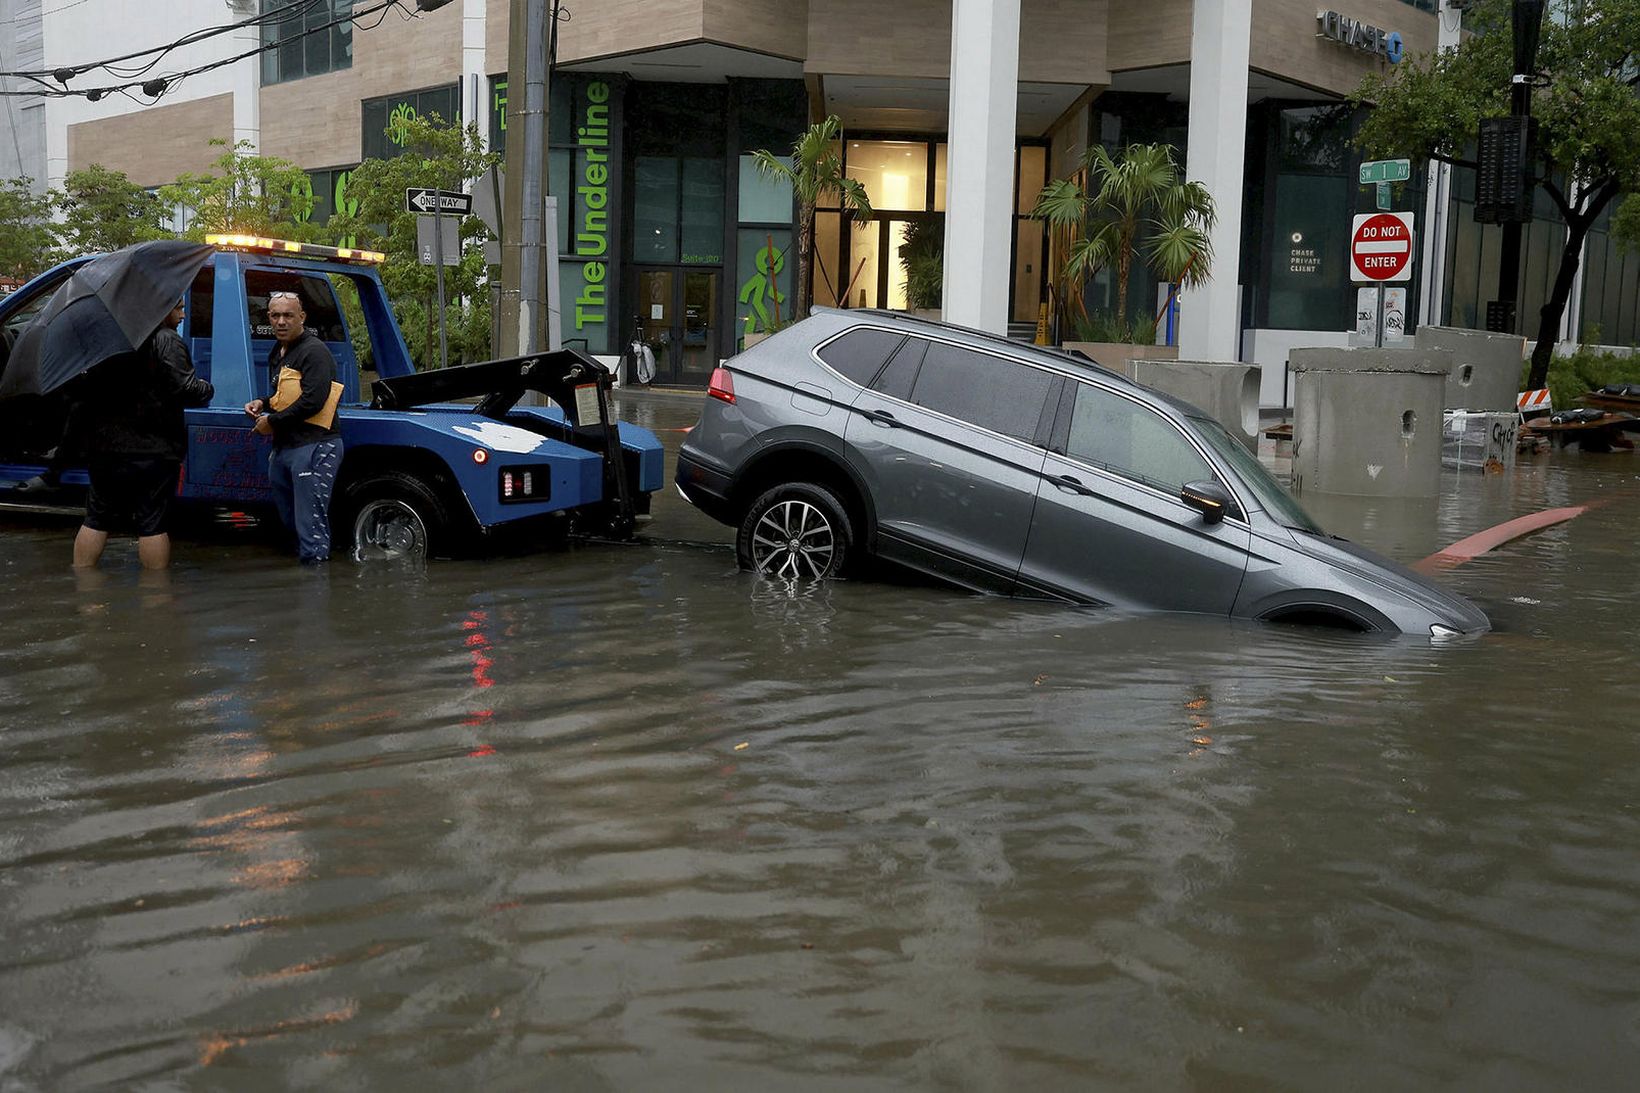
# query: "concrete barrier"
{"points": [[1225, 390], [1485, 366], [1367, 422]]}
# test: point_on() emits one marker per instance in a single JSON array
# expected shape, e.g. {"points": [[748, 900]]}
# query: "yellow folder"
{"points": [[289, 388]]}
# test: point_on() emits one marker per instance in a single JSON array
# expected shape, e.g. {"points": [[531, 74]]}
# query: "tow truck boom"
{"points": [[576, 383]]}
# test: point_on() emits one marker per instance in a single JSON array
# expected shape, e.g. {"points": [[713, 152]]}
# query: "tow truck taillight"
{"points": [[722, 385], [525, 484]]}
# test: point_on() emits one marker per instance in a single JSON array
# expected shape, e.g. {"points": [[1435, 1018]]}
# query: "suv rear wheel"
{"points": [[392, 516], [796, 531]]}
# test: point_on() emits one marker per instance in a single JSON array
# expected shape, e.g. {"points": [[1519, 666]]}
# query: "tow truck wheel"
{"points": [[796, 531], [392, 516]]}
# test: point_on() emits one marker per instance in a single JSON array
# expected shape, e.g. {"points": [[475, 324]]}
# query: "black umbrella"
{"points": [[110, 306]]}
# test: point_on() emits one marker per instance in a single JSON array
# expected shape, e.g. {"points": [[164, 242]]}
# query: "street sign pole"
{"points": [[1381, 250], [438, 267], [422, 200]]}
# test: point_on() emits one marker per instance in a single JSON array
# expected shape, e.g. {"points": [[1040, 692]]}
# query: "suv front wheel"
{"points": [[796, 531]]}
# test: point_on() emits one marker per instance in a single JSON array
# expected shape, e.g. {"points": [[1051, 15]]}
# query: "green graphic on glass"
{"points": [[398, 124], [301, 200], [347, 206], [763, 285]]}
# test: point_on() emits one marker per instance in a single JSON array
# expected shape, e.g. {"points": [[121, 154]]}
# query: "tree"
{"points": [[28, 238], [1585, 100], [1098, 219], [1626, 222], [245, 192], [814, 168], [103, 210], [444, 157]]}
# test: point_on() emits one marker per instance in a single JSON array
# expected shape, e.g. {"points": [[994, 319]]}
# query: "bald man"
{"points": [[307, 448]]}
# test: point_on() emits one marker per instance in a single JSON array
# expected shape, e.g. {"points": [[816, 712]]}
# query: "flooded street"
{"points": [[620, 816]]}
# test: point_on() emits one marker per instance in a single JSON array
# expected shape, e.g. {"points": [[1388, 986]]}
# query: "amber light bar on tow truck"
{"points": [[261, 244]]}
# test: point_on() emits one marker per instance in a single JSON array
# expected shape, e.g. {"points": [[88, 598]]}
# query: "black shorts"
{"points": [[131, 494]]}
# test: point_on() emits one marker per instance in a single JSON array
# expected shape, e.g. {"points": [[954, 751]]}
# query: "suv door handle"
{"points": [[883, 418], [1071, 484]]}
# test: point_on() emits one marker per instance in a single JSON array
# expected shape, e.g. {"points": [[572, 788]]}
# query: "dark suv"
{"points": [[1009, 468]]}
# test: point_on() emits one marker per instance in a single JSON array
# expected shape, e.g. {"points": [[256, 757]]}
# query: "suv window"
{"points": [[987, 391], [859, 353], [1126, 438]]}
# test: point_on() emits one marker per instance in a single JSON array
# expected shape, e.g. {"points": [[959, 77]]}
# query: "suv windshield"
{"points": [[1274, 500]]}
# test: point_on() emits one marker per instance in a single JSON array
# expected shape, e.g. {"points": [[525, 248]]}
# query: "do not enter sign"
{"points": [[1381, 247]]}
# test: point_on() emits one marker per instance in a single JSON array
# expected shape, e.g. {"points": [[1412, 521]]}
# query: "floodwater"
{"points": [[622, 817]]}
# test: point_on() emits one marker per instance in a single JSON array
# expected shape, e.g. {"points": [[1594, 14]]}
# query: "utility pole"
{"points": [[523, 320], [1437, 190], [1526, 19]]}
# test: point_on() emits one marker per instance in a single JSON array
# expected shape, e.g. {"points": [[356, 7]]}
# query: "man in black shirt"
{"points": [[128, 416], [300, 415]]}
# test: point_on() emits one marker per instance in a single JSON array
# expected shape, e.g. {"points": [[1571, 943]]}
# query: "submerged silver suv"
{"points": [[1008, 468]]}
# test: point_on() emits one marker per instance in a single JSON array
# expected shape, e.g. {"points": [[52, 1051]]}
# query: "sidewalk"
{"points": [[661, 394]]}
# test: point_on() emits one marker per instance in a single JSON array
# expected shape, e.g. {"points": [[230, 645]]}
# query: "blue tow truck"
{"points": [[422, 472]]}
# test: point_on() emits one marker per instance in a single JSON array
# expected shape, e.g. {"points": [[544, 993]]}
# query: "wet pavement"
{"points": [[623, 817]]}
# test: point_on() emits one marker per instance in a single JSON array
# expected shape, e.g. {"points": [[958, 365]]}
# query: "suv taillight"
{"points": [[722, 385]]}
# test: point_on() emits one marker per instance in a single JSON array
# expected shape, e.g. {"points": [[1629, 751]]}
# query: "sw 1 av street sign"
{"points": [[420, 200], [1381, 247], [1385, 170]]}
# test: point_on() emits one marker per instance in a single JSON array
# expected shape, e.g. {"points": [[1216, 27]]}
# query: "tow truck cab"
{"points": [[420, 473]]}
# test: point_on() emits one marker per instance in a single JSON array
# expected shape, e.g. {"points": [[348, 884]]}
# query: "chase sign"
{"points": [[1358, 35]]}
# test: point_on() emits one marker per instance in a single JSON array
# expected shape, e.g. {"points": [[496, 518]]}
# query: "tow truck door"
{"points": [[228, 331], [226, 462]]}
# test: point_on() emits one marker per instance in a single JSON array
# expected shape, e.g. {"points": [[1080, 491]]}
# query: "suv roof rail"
{"points": [[1076, 356]]}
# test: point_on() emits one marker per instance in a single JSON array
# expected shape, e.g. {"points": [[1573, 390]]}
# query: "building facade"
{"points": [[22, 48], [669, 234]]}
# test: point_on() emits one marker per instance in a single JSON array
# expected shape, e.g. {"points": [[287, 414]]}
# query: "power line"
{"points": [[158, 86], [296, 10]]}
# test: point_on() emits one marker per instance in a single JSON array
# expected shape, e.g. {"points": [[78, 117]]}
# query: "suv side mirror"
{"points": [[1208, 498]]}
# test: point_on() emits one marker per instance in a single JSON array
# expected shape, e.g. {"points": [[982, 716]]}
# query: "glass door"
{"points": [[677, 319], [897, 262], [698, 341], [656, 307]]}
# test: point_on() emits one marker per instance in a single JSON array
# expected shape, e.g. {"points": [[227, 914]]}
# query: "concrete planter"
{"points": [[1226, 390], [1367, 422], [1113, 354], [749, 340], [1485, 366]]}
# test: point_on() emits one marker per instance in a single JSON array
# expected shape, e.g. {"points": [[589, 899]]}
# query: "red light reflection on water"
{"points": [[478, 646], [478, 643]]}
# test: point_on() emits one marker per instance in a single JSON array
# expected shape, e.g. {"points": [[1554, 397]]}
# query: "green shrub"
{"points": [[1585, 371], [1105, 326]]}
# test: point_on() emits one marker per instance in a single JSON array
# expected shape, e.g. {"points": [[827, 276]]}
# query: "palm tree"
{"points": [[813, 169], [1097, 219]]}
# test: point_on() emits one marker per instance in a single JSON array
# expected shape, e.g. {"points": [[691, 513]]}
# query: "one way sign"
{"points": [[420, 200]]}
